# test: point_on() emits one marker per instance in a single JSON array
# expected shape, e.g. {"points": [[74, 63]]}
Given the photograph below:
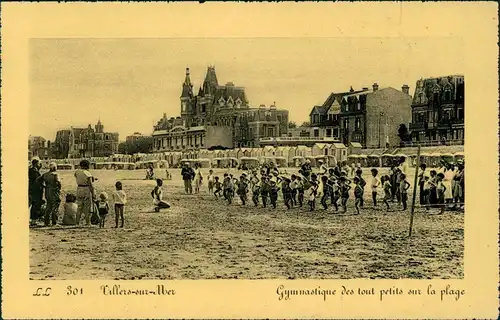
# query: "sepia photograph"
{"points": [[246, 158], [227, 160]]}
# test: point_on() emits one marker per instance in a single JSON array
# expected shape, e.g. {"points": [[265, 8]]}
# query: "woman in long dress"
{"points": [[449, 174], [85, 193], [198, 178]]}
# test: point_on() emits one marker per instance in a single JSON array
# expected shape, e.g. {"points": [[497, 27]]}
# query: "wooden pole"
{"points": [[414, 190]]}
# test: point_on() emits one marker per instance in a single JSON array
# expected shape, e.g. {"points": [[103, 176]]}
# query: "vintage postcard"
{"points": [[250, 160]]}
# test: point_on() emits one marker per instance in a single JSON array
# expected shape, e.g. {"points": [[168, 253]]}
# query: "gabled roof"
{"points": [[230, 91], [320, 145], [338, 96], [319, 109]]}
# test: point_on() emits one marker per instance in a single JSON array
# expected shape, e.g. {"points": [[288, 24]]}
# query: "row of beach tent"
{"points": [[329, 154]]}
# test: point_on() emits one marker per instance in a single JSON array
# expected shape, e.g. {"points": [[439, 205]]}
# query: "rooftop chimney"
{"points": [[405, 89], [375, 86]]}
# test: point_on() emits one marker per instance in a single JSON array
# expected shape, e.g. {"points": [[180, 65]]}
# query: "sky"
{"points": [[129, 83]]}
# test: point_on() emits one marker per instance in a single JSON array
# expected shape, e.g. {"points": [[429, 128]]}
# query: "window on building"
{"points": [[304, 133], [270, 132], [346, 123], [447, 95], [335, 132], [316, 132], [326, 151], [328, 132], [203, 108], [359, 106], [358, 123]]}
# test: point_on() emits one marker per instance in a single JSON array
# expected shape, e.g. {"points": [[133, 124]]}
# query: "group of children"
{"points": [[328, 186]]}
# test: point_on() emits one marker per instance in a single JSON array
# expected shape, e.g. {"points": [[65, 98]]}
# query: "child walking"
{"points": [[427, 185], [300, 191], [325, 192], [386, 182], [358, 193], [344, 191], [264, 190], [335, 195], [441, 189], [293, 190], [157, 195], [120, 199], [211, 181], [103, 208], [255, 186], [229, 188], [403, 190], [287, 193], [311, 195], [362, 183], [375, 184], [273, 193], [242, 189], [218, 188]]}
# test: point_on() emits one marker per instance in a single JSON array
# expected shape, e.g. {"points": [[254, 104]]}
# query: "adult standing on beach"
{"points": [[198, 178], [85, 193], [35, 191], [52, 184], [187, 174]]}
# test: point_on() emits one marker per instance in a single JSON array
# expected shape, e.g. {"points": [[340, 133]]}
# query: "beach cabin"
{"points": [[387, 159], [352, 159], [338, 151], [374, 160], [281, 162], [297, 161], [362, 160], [244, 152], [355, 148], [202, 162], [425, 158], [249, 162], [65, 166], [256, 152], [312, 160], [320, 149], [269, 151], [130, 166], [285, 152], [434, 159], [303, 151]]}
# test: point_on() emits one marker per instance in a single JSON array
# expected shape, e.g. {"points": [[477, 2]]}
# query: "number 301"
{"points": [[73, 291]]}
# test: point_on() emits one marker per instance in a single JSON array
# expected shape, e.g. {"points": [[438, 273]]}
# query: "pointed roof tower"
{"points": [[187, 87], [210, 84]]}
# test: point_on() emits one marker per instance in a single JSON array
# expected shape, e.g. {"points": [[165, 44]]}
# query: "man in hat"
{"points": [[52, 184], [35, 191], [187, 175]]}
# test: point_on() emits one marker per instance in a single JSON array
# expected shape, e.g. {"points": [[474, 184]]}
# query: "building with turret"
{"points": [[218, 112]]}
